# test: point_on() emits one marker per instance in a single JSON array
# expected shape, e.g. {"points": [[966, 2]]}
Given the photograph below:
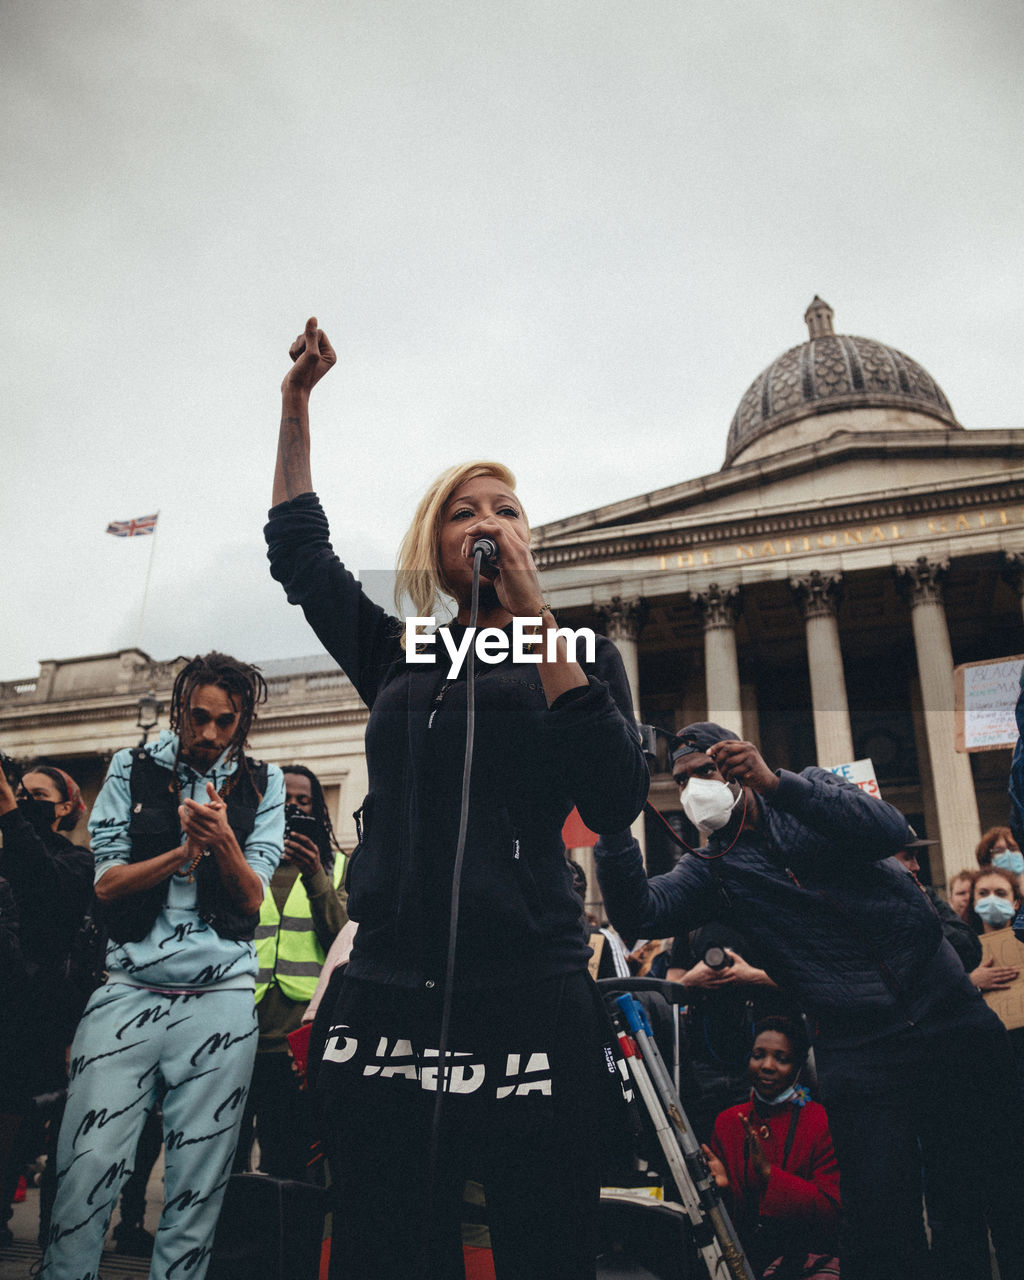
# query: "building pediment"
{"points": [[850, 478]]}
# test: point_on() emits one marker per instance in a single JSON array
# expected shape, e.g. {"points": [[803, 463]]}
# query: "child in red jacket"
{"points": [[773, 1157]]}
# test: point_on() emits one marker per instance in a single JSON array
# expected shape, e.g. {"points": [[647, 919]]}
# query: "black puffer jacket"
{"points": [[853, 937], [51, 885], [12, 966], [519, 919]]}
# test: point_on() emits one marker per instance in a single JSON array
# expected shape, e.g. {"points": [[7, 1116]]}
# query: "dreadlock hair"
{"points": [[329, 844], [243, 683]]}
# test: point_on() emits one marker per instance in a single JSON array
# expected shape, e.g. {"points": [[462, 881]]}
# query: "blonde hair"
{"points": [[420, 577]]}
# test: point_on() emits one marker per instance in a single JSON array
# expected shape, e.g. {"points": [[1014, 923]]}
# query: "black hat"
{"points": [[915, 841], [698, 737]]}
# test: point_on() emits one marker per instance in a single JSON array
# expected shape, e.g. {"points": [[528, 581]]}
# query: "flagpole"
{"points": [[145, 589]]}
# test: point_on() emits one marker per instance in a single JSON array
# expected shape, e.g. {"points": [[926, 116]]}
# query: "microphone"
{"points": [[488, 548]]}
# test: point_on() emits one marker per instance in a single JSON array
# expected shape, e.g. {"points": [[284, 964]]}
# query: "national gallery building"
{"points": [[814, 594], [817, 591]]}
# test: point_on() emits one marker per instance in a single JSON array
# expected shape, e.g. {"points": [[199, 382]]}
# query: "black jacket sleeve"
{"points": [[664, 906], [12, 967], [834, 819], [52, 885], [356, 632], [598, 743]]}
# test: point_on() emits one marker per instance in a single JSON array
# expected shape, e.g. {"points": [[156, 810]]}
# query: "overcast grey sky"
{"points": [[565, 234]]}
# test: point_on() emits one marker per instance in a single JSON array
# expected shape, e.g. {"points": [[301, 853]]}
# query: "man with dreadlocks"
{"points": [[300, 918], [186, 834]]}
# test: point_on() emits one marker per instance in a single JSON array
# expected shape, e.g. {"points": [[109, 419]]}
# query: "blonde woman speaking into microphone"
{"points": [[502, 981]]}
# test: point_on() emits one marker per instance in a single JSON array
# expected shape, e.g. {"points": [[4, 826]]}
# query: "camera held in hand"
{"points": [[717, 958], [296, 822], [12, 770]]}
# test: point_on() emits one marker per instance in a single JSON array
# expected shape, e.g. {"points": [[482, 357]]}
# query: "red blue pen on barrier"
{"points": [[635, 1015]]}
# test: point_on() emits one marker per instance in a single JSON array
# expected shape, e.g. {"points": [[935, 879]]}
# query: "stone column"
{"points": [[818, 596], [720, 607], [624, 619], [931, 814], [1013, 572], [952, 783]]}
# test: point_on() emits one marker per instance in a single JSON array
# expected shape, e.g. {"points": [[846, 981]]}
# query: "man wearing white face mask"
{"points": [[709, 804], [803, 865]]}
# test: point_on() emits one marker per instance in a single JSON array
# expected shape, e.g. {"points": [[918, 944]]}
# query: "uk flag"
{"points": [[133, 528]]}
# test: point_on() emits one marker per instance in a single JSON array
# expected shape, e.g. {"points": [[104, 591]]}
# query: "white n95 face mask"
{"points": [[708, 803]]}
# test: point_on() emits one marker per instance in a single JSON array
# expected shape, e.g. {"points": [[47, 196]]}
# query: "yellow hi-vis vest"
{"points": [[287, 949]]}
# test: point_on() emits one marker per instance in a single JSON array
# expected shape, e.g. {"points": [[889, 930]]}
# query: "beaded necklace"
{"points": [[225, 789]]}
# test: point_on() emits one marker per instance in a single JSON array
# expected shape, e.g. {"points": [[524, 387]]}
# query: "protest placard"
{"points": [[861, 773], [1008, 1003], [986, 695]]}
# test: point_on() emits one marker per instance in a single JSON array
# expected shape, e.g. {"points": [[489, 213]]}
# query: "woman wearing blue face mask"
{"points": [[998, 848], [993, 893], [995, 900]]}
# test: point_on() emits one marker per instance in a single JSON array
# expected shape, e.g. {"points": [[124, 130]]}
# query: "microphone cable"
{"points": [[681, 843], [453, 918]]}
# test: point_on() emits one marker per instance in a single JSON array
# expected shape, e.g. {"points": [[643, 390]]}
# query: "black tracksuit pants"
{"points": [[524, 1115]]}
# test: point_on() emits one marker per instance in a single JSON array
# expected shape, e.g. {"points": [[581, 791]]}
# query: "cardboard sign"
{"points": [[861, 773], [1004, 949], [986, 698]]}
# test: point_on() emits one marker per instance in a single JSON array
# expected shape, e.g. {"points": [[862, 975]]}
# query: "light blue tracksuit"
{"points": [[176, 1022]]}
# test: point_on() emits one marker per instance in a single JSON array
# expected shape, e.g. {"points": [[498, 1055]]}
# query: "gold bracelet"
{"points": [[544, 608]]}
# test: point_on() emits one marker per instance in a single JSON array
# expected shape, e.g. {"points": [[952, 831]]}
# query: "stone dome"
{"points": [[831, 372]]}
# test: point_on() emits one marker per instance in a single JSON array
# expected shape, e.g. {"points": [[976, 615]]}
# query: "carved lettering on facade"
{"points": [[688, 559], [858, 536]]}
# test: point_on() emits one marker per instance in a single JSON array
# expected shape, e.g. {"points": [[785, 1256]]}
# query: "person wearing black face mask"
{"points": [[51, 882]]}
